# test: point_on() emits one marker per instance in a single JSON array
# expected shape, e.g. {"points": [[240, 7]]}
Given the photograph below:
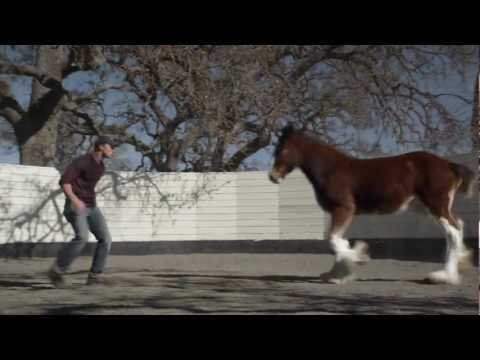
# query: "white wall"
{"points": [[180, 207]]}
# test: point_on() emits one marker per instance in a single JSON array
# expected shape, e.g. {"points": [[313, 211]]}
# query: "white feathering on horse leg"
{"points": [[361, 252], [342, 271], [357, 254], [455, 253], [465, 261], [341, 247]]}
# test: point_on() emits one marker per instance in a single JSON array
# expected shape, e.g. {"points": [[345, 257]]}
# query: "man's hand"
{"points": [[79, 207]]}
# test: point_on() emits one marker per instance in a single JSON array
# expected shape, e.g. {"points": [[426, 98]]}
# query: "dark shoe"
{"points": [[98, 279], [56, 277]]}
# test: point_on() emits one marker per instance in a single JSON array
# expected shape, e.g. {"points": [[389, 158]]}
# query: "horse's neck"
{"points": [[320, 163]]}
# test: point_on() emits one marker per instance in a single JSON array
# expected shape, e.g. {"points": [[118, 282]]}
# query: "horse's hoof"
{"points": [[362, 253], [333, 279], [441, 277], [343, 281]]}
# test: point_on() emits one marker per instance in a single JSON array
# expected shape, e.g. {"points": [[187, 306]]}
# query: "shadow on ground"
{"points": [[235, 294]]}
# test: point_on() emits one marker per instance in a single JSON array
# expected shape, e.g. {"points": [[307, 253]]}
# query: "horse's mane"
{"points": [[308, 135], [285, 134]]}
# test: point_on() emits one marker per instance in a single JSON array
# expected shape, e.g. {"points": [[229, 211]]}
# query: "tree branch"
{"points": [[9, 107], [91, 129], [11, 110], [262, 140], [317, 57], [45, 79], [80, 99]]}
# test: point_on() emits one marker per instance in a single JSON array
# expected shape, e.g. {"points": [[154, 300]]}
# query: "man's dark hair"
{"points": [[102, 140]]}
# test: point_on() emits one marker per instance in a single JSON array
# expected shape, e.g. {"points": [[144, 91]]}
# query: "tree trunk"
{"points": [[476, 114], [217, 157], [67, 146], [173, 156], [37, 131]]}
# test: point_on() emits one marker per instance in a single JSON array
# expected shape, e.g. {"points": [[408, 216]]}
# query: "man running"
{"points": [[78, 183]]}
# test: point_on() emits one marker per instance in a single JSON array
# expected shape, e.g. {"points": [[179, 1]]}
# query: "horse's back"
{"points": [[419, 163], [389, 169], [386, 184]]}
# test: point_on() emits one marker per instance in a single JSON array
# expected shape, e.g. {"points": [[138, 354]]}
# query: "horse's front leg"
{"points": [[346, 257]]}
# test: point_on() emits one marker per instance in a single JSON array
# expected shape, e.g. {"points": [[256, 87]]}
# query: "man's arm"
{"points": [[71, 173], [78, 204]]}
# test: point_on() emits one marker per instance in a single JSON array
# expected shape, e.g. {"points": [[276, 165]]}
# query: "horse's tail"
{"points": [[467, 177]]}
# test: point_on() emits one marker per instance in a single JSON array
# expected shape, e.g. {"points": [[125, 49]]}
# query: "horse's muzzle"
{"points": [[273, 179]]}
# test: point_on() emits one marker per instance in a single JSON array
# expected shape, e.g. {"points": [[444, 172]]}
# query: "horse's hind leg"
{"points": [[466, 255], [346, 257], [457, 255]]}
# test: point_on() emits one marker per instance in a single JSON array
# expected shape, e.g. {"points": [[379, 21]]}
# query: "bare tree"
{"points": [[209, 108], [224, 101], [36, 127], [476, 109], [384, 87]]}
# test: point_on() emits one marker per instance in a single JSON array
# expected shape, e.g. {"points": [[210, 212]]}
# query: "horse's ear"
{"points": [[287, 130]]}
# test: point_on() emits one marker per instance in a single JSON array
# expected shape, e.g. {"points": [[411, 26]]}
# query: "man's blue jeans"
{"points": [[92, 220]]}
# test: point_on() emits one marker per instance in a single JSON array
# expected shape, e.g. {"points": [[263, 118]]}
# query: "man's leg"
{"points": [[73, 249], [99, 227]]}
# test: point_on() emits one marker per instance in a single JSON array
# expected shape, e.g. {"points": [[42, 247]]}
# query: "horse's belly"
{"points": [[383, 204]]}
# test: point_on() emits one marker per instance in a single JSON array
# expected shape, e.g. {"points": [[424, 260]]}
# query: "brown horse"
{"points": [[345, 186]]}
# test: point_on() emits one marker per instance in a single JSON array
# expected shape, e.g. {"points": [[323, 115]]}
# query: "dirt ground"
{"points": [[219, 284]]}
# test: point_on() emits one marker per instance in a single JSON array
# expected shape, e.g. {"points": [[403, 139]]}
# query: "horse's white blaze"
{"points": [[275, 175]]}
